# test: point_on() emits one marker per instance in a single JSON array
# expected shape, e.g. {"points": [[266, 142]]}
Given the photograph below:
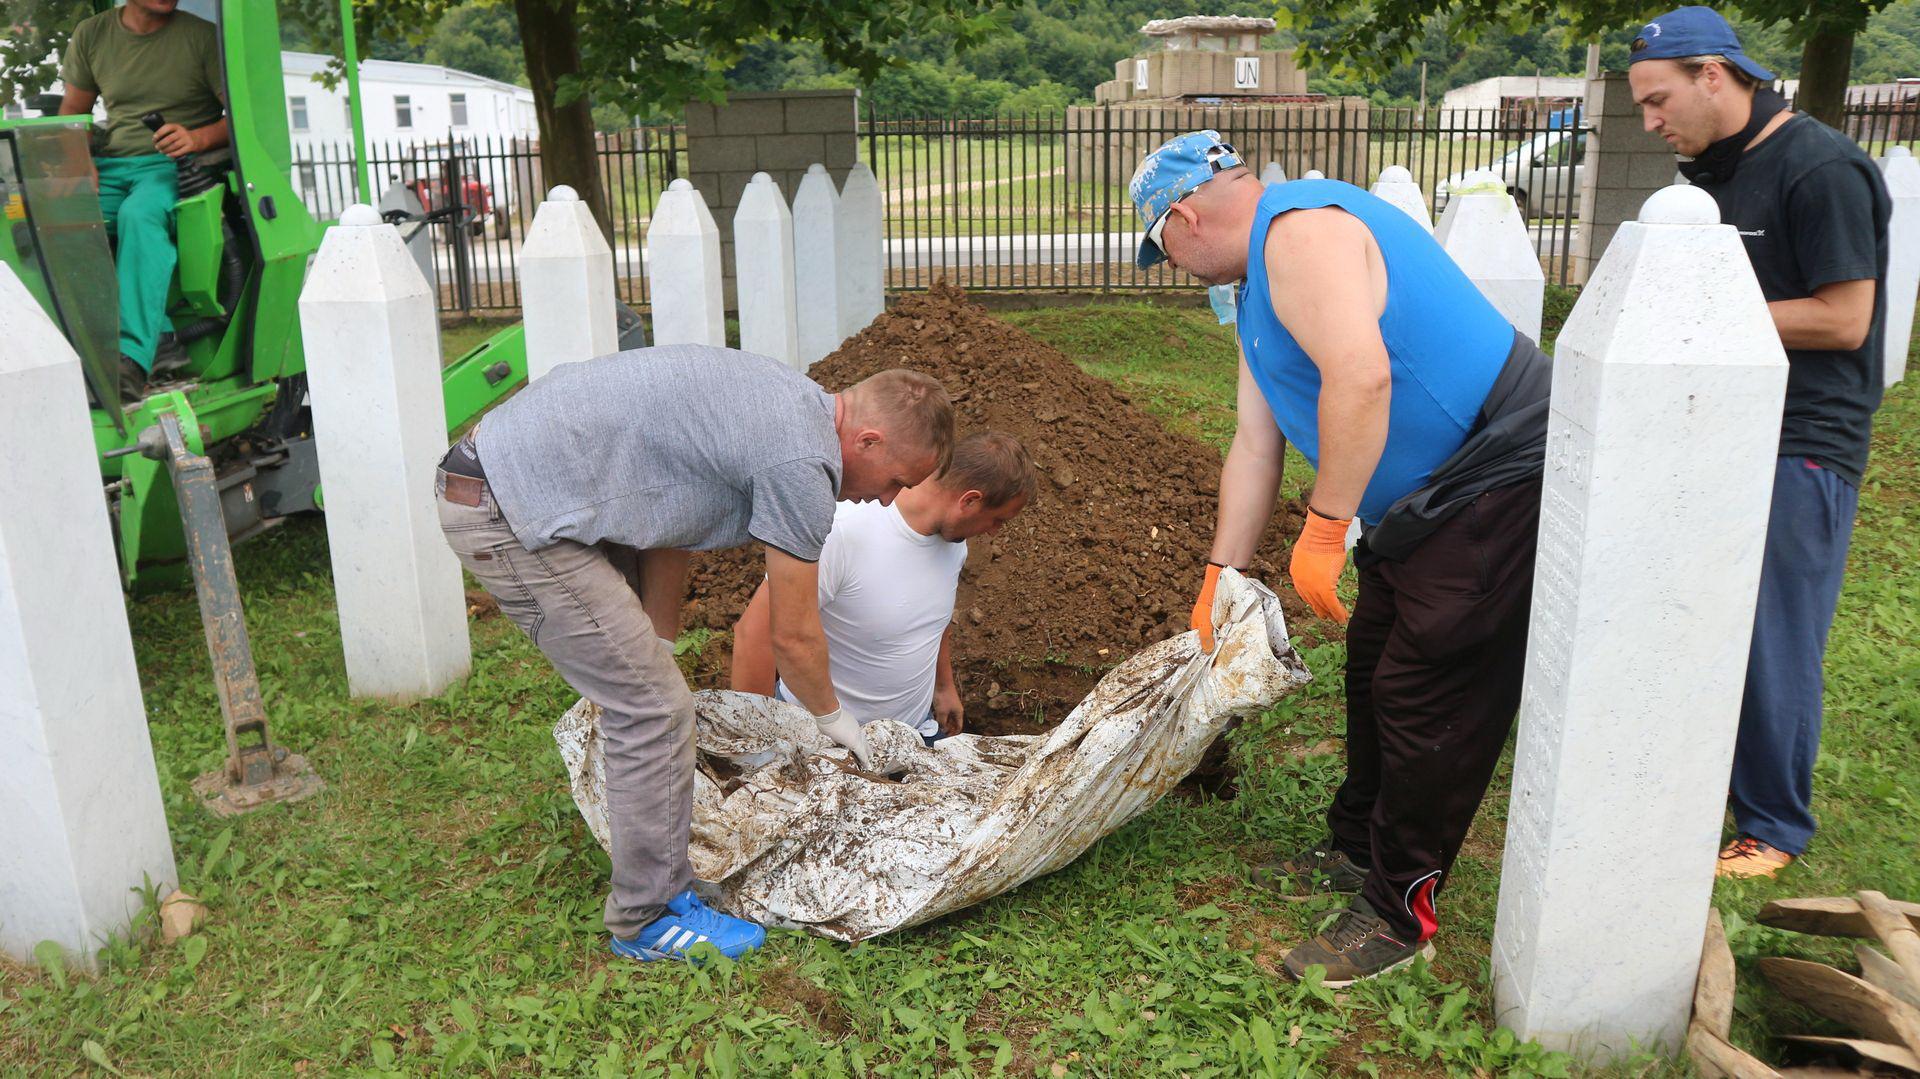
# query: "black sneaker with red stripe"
{"points": [[1357, 946]]}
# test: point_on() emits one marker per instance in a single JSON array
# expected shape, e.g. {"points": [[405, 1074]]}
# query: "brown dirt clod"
{"points": [[1105, 561]]}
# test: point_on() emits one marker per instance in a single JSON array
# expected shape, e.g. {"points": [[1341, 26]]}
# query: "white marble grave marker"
{"points": [[84, 826], [863, 264], [1273, 174], [380, 426], [1668, 384], [816, 264], [1902, 171], [683, 270], [1396, 186], [566, 285], [763, 272], [1482, 229]]}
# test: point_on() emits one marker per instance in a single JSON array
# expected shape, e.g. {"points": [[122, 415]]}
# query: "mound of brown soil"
{"points": [[1106, 560]]}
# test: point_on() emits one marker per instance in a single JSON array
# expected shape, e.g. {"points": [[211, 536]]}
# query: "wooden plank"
{"points": [[1860, 1050], [1845, 999], [1716, 1058], [1713, 988], [1886, 974], [1899, 935], [1838, 916]]}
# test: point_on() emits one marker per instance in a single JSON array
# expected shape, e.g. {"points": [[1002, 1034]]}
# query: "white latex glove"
{"points": [[845, 731]]}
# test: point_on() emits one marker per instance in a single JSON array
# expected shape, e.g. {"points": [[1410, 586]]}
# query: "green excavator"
{"points": [[223, 448]]}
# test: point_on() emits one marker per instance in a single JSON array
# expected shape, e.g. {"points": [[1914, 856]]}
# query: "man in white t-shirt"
{"points": [[887, 579]]}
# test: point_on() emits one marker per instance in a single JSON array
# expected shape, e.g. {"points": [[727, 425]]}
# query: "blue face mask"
{"points": [[1222, 299]]}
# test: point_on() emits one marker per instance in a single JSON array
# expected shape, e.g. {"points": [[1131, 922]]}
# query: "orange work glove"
{"points": [[1202, 620], [1318, 557]]}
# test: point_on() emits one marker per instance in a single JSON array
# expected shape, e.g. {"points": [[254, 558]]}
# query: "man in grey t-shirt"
{"points": [[577, 504]]}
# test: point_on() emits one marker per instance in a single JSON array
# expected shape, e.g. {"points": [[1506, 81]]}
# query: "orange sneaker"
{"points": [[1748, 857]]}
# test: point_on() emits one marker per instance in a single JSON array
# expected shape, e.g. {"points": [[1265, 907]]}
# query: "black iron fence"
{"points": [[1021, 202], [497, 184]]}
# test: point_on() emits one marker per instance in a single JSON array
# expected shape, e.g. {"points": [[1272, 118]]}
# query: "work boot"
{"points": [[133, 381], [1748, 857], [1356, 947], [1318, 870]]}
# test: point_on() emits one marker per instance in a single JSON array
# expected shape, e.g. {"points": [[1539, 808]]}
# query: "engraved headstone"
{"points": [[380, 426], [1482, 229], [566, 285], [763, 269], [816, 264], [683, 270], [1668, 384], [861, 251], [1902, 171], [1396, 187], [82, 827]]}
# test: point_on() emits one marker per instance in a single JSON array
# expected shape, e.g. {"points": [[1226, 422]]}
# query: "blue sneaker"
{"points": [[686, 923]]}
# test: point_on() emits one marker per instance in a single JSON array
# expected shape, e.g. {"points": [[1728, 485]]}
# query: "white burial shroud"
{"points": [[787, 833]]}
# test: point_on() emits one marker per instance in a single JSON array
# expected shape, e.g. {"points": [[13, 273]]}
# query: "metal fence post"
{"points": [[1106, 198], [455, 185]]}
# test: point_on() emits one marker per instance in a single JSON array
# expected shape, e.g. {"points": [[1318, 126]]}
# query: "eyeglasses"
{"points": [[1160, 226], [1217, 163]]}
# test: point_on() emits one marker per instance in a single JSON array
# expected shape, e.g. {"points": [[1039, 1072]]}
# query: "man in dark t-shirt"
{"points": [[1812, 210]]}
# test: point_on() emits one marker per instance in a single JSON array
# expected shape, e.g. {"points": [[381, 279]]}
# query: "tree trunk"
{"points": [[568, 154], [1824, 66]]}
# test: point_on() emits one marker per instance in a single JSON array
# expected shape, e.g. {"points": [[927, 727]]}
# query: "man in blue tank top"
{"points": [[1424, 414]]}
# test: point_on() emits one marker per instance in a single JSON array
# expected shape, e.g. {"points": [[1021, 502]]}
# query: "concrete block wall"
{"points": [[1624, 166], [778, 133]]}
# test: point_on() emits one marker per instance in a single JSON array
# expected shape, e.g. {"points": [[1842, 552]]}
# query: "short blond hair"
{"points": [[992, 463], [909, 405]]}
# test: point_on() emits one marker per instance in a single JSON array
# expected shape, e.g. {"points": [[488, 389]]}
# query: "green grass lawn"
{"points": [[437, 910]]}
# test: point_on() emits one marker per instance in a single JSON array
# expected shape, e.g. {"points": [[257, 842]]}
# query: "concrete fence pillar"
{"points": [[84, 826], [1622, 165], [566, 285], [1668, 384], [683, 270], [1483, 231], [1396, 186], [816, 264], [1273, 174], [380, 425], [763, 265], [861, 250], [1902, 171]]}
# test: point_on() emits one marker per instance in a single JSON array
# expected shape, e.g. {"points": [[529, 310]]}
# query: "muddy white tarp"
{"points": [[788, 833]]}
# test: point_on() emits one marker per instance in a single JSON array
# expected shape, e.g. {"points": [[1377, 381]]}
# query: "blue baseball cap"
{"points": [[1170, 174], [1693, 31]]}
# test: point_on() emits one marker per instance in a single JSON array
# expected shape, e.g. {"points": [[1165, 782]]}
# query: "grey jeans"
{"points": [[581, 606]]}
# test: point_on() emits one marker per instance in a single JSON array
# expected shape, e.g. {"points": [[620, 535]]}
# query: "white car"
{"points": [[1542, 174]]}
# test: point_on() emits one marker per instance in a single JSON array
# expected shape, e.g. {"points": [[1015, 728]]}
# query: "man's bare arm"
{"points": [[799, 644], [1837, 316], [1328, 289], [1250, 478], [77, 102], [948, 711], [174, 140], [753, 670]]}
